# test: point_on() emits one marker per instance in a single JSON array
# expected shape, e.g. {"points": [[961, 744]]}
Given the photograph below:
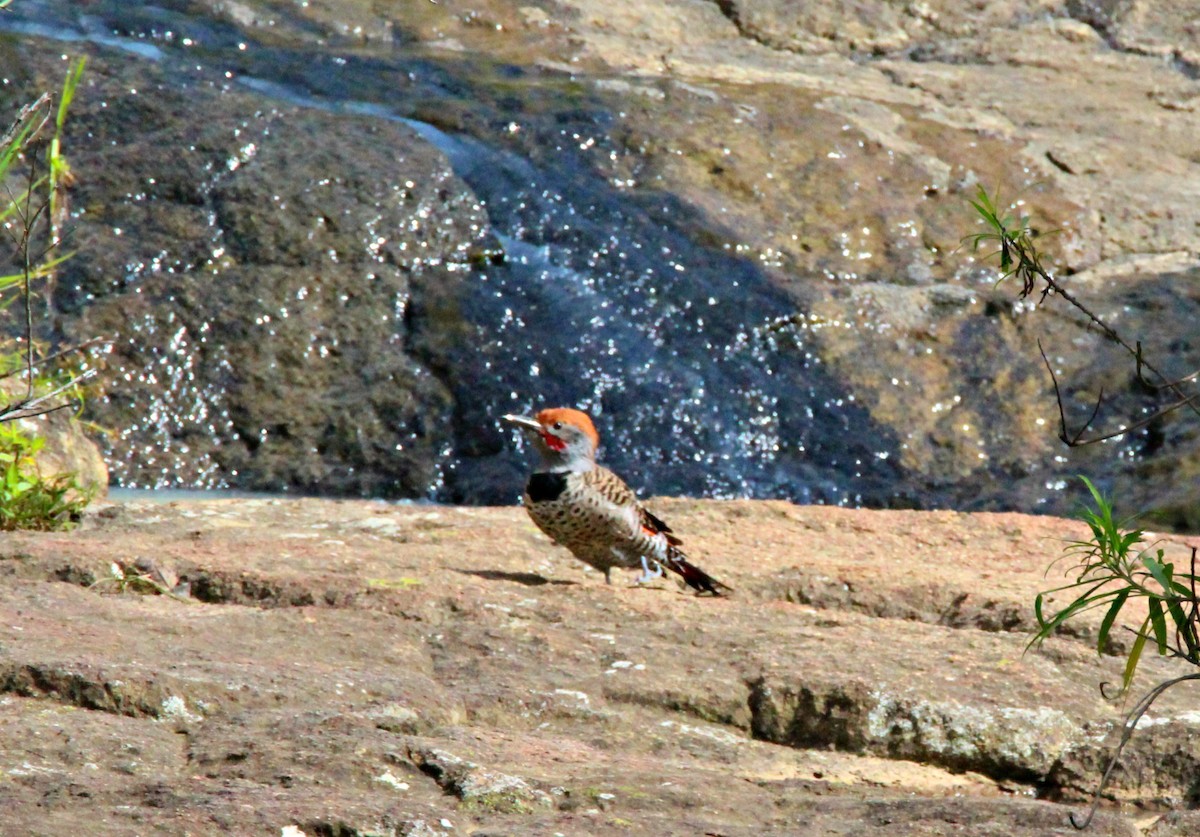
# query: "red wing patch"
{"points": [[654, 525]]}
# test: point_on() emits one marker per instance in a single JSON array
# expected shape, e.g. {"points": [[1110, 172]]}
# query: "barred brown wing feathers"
{"points": [[609, 486]]}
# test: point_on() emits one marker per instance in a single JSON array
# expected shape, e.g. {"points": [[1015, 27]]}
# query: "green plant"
{"points": [[1111, 573], [142, 577], [1111, 570], [27, 499], [32, 219]]}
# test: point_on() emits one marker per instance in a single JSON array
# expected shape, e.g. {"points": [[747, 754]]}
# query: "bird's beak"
{"points": [[524, 422]]}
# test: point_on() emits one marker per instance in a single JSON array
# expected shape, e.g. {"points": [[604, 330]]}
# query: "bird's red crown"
{"points": [[566, 415]]}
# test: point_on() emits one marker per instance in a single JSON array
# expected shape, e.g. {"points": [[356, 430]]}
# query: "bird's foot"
{"points": [[649, 575]]}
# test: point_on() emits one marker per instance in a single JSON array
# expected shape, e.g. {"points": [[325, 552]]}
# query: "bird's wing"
{"points": [[613, 489], [655, 525]]}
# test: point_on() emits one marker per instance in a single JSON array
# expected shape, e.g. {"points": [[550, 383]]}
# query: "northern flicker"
{"points": [[590, 510]]}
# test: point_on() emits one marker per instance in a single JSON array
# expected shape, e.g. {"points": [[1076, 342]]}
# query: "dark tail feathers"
{"points": [[696, 578]]}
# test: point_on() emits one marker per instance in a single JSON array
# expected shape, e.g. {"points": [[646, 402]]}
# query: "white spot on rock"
{"points": [[174, 708], [392, 781]]}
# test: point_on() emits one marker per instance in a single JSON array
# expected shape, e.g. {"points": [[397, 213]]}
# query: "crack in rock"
{"points": [[91, 690], [477, 786]]}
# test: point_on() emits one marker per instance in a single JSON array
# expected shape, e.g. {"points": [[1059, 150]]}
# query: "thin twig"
{"points": [[1131, 722], [1062, 416], [30, 407], [1138, 425], [27, 269], [1186, 379], [24, 115], [1019, 257], [78, 347], [1033, 265]]}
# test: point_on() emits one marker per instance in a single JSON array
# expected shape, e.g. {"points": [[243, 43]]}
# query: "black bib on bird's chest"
{"points": [[546, 487]]}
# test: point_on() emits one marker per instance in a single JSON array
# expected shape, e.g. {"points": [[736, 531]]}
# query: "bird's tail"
{"points": [[696, 578]]}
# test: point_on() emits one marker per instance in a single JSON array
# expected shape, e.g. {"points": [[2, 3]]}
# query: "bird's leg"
{"points": [[649, 575], [608, 575]]}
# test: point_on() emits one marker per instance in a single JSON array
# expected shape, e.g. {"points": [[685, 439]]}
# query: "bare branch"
{"points": [[1186, 379], [1131, 722], [1190, 401], [1062, 416], [1019, 257], [30, 407], [1077, 441], [1184, 399], [26, 115], [78, 347]]}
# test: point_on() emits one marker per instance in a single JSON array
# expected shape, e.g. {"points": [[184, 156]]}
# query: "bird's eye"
{"points": [[558, 425]]}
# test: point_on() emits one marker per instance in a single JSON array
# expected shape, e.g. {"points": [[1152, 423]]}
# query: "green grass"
{"points": [[27, 499]]}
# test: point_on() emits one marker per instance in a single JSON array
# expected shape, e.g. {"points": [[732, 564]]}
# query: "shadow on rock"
{"points": [[528, 579]]}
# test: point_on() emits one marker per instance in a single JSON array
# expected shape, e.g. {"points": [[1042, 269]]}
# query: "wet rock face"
{"points": [[255, 278], [730, 230]]}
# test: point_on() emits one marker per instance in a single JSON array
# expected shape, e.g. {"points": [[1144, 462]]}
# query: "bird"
{"points": [[590, 510]]}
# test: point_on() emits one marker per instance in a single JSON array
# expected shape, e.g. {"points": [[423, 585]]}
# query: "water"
{"points": [[697, 368], [118, 494]]}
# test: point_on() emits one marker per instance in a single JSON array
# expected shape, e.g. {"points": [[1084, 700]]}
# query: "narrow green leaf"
{"points": [[1160, 572], [1159, 622], [985, 199], [1037, 610], [68, 93], [1131, 538], [1135, 654], [14, 147], [1181, 590], [1182, 624], [1084, 602], [1096, 495], [1109, 618]]}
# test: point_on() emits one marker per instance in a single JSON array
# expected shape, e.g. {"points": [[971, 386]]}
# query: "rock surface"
{"points": [[258, 312], [361, 668], [694, 218], [66, 448]]}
